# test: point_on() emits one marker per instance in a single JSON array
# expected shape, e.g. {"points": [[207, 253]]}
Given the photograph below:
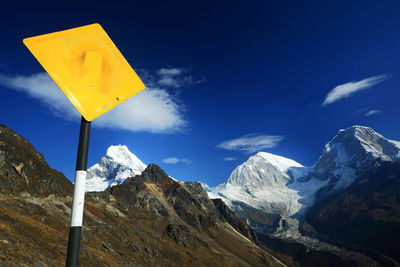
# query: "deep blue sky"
{"points": [[261, 67]]}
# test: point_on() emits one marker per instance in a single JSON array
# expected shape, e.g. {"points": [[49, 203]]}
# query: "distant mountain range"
{"points": [[281, 186], [282, 199]]}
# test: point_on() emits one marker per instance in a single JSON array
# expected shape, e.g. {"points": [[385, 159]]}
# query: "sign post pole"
{"points": [[71, 57], [75, 229]]}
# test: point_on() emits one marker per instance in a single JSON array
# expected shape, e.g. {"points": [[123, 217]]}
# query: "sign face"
{"points": [[88, 68]]}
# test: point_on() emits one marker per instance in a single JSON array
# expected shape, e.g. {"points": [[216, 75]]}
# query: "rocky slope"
{"points": [[149, 220], [21, 164], [366, 214]]}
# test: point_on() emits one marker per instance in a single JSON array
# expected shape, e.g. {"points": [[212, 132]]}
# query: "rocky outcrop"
{"points": [[23, 169]]}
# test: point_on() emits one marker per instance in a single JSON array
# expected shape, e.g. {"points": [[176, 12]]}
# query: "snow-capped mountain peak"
{"points": [[262, 169], [121, 154], [114, 167], [350, 152], [370, 141]]}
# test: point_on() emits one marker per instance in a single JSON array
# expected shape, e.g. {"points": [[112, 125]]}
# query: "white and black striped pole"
{"points": [[75, 229]]}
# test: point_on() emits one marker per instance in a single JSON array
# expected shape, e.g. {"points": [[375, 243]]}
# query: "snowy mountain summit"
{"points": [[351, 152], [117, 165], [262, 169], [260, 182]]}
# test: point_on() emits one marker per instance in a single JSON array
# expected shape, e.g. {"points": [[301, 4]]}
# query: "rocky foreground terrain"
{"points": [[149, 220]]}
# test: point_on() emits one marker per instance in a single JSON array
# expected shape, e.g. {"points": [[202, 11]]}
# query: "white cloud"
{"points": [[176, 77], [153, 109], [251, 143], [372, 112], [174, 160], [229, 159], [41, 87], [348, 89]]}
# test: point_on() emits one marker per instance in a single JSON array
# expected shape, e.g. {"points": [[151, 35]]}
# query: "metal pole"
{"points": [[75, 229]]}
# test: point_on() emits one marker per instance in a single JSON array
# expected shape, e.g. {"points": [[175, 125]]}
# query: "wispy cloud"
{"points": [[171, 71], [174, 160], [153, 109], [177, 77], [348, 89], [372, 112], [251, 143], [229, 159]]}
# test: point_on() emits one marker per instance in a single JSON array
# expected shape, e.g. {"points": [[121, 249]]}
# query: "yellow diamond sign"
{"points": [[88, 68]]}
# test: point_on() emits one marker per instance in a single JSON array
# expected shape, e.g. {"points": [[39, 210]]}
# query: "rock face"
{"points": [[23, 169], [117, 165], [149, 220], [229, 216]]}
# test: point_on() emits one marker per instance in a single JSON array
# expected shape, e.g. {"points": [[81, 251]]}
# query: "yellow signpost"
{"points": [[94, 75], [88, 67]]}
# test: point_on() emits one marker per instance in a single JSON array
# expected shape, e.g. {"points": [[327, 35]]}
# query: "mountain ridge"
{"points": [[148, 220]]}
